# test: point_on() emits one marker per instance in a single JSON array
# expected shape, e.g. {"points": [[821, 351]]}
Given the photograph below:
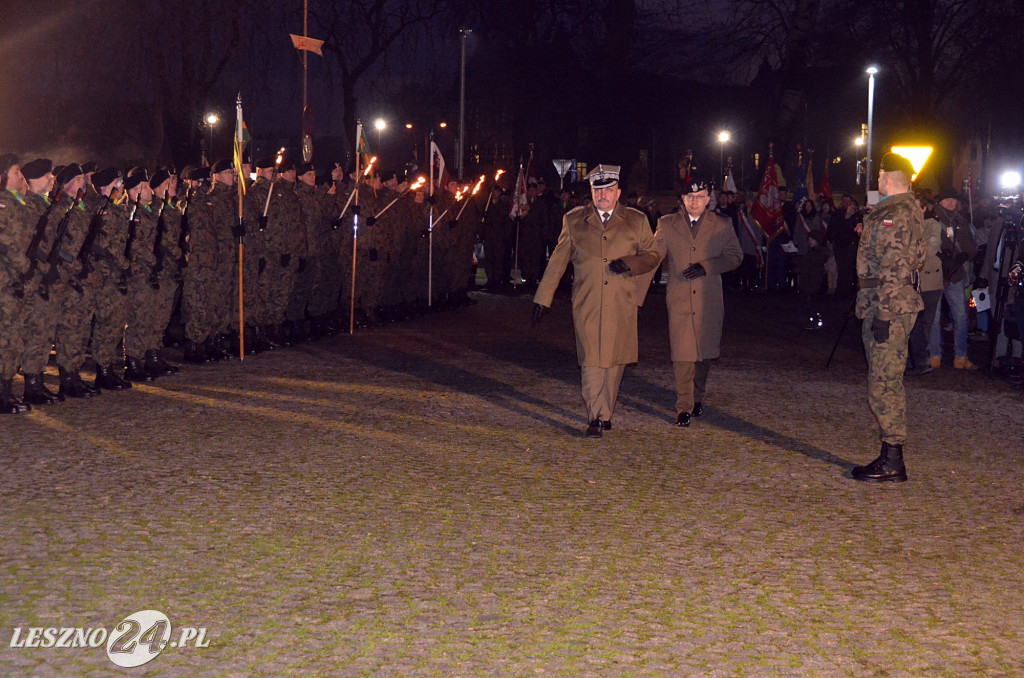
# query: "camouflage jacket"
{"points": [[892, 248]]}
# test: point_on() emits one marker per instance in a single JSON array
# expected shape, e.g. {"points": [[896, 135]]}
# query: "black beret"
{"points": [[89, 166], [387, 175], [304, 168], [286, 165], [68, 173], [266, 162], [159, 177], [7, 161], [894, 162], [199, 174], [222, 165], [136, 176], [186, 172], [105, 177], [37, 168]]}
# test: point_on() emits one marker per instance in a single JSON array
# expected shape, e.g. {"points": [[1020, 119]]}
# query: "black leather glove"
{"points": [[335, 224], [302, 265], [262, 221], [979, 283], [238, 230], [373, 254], [880, 330], [425, 232], [431, 199], [262, 266], [619, 266], [452, 223], [356, 209], [370, 221], [538, 313], [285, 260], [694, 271]]}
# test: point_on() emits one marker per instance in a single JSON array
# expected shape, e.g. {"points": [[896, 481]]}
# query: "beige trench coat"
{"points": [[603, 303], [695, 307]]}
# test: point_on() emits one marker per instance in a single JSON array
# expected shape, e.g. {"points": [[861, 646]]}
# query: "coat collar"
{"points": [[594, 217]]}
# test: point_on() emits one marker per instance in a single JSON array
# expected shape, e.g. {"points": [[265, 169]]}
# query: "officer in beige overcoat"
{"points": [[698, 246], [608, 244]]}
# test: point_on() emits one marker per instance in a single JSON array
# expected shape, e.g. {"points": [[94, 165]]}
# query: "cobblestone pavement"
{"points": [[418, 500]]}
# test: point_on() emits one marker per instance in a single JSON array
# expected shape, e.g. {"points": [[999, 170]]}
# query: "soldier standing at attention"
{"points": [[892, 249]]}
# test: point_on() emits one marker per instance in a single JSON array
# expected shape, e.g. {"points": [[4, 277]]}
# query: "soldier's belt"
{"points": [[868, 283]]}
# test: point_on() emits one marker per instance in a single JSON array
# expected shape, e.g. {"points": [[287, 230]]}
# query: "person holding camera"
{"points": [[957, 251]]}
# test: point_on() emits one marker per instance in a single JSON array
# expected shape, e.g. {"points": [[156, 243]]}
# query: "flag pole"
{"points": [[355, 234], [430, 229], [239, 140]]}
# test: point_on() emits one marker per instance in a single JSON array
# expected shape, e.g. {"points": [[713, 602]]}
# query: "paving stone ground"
{"points": [[418, 500]]}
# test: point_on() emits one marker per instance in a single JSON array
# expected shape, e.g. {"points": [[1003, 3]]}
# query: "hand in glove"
{"points": [[302, 265], [370, 221], [538, 313], [619, 266], [373, 254], [694, 271], [880, 330], [238, 230], [285, 260]]}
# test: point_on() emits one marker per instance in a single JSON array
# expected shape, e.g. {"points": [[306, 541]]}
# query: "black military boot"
{"points": [[107, 378], [153, 367], [71, 385], [214, 351], [136, 372], [887, 467], [36, 392], [195, 354], [8, 403]]}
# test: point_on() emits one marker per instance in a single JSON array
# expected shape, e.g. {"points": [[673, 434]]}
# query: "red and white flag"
{"points": [[519, 199], [437, 160], [767, 210]]}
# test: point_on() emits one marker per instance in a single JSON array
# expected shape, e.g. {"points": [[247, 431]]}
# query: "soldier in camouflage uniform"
{"points": [[143, 285], [324, 304], [39, 315], [892, 249], [103, 277], [61, 282], [167, 252], [207, 292], [12, 293], [497, 231], [300, 244]]}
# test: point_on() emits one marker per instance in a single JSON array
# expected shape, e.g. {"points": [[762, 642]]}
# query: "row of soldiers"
{"points": [[96, 261]]}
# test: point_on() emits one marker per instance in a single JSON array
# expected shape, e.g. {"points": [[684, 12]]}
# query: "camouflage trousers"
{"points": [[886, 362], [273, 290], [109, 320], [10, 332], [205, 303], [328, 285], [38, 327], [73, 326], [144, 314], [303, 288]]}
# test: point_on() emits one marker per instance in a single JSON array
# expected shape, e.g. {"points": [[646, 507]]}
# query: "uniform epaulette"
{"points": [[576, 209], [633, 209]]}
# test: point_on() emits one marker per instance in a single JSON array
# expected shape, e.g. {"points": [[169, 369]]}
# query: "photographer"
{"points": [[957, 250]]}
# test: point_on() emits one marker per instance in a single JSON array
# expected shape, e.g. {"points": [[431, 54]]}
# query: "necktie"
{"points": [[693, 223], [605, 217]]}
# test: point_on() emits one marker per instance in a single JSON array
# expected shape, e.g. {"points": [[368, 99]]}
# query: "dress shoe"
{"points": [[109, 379], [888, 467], [8, 403], [606, 425], [72, 386], [594, 429], [36, 392], [698, 410], [136, 372], [683, 419]]}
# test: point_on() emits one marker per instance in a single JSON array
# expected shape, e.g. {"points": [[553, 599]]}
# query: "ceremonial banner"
{"points": [[767, 210]]}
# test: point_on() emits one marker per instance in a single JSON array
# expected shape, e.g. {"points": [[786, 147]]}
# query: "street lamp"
{"points": [[871, 111], [211, 122], [723, 137], [379, 124]]}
